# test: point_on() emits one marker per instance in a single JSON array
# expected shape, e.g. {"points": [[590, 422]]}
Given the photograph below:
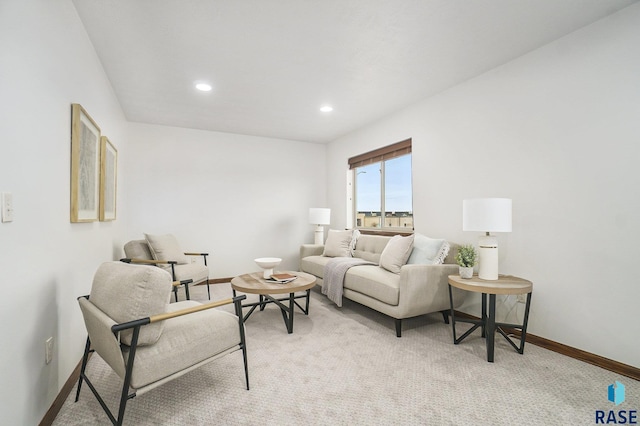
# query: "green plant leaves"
{"points": [[466, 256]]}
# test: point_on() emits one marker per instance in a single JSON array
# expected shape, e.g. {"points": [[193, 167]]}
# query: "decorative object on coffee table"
{"points": [[267, 263], [466, 260]]}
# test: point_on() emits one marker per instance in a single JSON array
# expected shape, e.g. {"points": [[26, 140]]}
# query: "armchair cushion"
{"points": [[198, 272], [166, 247], [138, 249], [428, 251], [127, 292], [186, 341], [396, 253]]}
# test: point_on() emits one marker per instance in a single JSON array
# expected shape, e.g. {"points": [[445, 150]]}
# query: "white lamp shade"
{"points": [[318, 216], [486, 215]]}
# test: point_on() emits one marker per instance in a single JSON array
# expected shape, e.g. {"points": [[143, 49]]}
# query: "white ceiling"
{"points": [[273, 63]]}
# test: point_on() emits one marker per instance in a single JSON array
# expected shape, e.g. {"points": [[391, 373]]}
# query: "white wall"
{"points": [[557, 131], [205, 187], [559, 128], [46, 63], [236, 197]]}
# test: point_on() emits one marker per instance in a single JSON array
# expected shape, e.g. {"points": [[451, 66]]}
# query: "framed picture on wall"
{"points": [[85, 166], [108, 179]]}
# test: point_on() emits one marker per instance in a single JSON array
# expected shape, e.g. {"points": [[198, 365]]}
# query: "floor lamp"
{"points": [[319, 217], [487, 215]]}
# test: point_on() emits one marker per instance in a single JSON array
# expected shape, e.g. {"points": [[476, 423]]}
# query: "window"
{"points": [[382, 188]]}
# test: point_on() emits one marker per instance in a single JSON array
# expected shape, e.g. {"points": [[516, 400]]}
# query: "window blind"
{"points": [[385, 153]]}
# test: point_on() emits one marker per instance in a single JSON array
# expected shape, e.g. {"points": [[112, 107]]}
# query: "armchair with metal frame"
{"points": [[140, 252], [146, 340]]}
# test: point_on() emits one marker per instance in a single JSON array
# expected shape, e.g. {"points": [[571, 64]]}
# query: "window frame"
{"points": [[379, 155]]}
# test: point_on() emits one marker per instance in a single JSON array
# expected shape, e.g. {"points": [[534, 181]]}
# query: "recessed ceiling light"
{"points": [[203, 87], [326, 108]]}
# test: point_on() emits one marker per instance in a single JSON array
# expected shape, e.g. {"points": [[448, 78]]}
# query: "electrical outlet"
{"points": [[48, 350], [7, 207], [521, 298]]}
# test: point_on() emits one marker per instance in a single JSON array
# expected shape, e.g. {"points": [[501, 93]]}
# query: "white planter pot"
{"points": [[466, 271]]}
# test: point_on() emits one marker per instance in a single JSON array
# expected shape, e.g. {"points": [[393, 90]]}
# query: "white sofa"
{"points": [[418, 289]]}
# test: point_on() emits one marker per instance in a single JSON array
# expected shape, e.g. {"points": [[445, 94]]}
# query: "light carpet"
{"points": [[345, 366]]}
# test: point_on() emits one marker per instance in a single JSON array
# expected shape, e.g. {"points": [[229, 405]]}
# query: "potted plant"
{"points": [[466, 259]]}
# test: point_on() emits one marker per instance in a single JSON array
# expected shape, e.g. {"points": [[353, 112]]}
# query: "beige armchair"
{"points": [[165, 252], [146, 340]]}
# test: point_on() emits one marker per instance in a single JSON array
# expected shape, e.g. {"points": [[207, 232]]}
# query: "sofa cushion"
{"points": [[166, 247], [375, 282], [127, 292], [314, 265], [396, 253], [369, 247], [338, 243], [428, 251]]}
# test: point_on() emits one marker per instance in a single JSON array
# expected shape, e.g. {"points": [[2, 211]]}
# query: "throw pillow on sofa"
{"points": [[396, 253], [354, 241], [428, 251], [338, 243]]}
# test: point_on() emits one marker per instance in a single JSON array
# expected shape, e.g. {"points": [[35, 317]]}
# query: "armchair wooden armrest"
{"points": [[183, 282], [148, 261], [116, 328], [186, 311], [204, 256]]}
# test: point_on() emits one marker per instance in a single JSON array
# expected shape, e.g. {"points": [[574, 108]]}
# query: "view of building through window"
{"points": [[383, 194]]}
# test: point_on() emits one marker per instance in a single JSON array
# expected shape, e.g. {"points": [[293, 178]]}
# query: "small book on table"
{"points": [[281, 278]]}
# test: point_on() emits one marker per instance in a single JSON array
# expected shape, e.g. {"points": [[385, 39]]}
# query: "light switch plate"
{"points": [[48, 350], [7, 207]]}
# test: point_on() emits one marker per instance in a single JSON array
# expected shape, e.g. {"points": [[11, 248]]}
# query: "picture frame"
{"points": [[85, 166], [108, 179]]}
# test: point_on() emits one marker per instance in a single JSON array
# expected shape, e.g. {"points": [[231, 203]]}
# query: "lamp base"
{"points": [[488, 269], [319, 235]]}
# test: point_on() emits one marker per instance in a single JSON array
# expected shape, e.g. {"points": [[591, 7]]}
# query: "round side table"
{"points": [[505, 284]]}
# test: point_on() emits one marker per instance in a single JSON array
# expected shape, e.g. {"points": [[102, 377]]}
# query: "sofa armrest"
{"points": [[425, 288], [311, 250]]}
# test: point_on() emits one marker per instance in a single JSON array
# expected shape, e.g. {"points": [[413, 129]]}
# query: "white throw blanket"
{"points": [[334, 272]]}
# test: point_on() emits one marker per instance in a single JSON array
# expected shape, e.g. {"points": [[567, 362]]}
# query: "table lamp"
{"points": [[487, 215], [319, 217]]}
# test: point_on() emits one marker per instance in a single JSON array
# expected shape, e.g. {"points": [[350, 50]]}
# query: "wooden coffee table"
{"points": [[254, 283]]}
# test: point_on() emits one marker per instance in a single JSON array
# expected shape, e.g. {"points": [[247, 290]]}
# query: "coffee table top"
{"points": [[254, 283], [505, 284]]}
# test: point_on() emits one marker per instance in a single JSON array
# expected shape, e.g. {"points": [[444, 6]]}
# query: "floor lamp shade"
{"points": [[319, 217], [487, 215]]}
